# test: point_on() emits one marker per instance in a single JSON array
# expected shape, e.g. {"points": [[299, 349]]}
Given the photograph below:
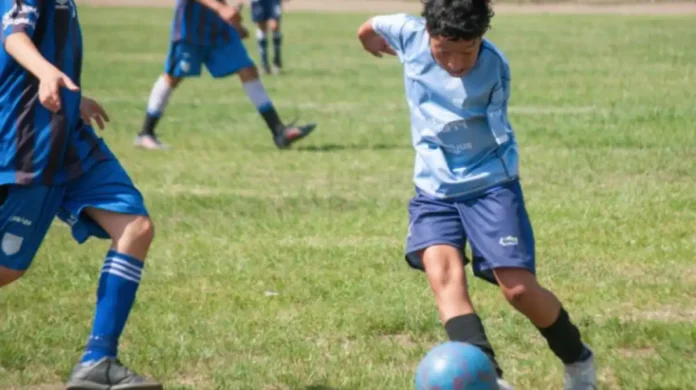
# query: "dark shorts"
{"points": [[263, 10], [187, 59], [495, 224], [27, 212]]}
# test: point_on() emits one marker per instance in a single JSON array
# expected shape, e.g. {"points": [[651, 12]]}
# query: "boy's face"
{"points": [[456, 57]]}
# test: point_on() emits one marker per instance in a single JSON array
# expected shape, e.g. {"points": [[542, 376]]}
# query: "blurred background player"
{"points": [[210, 32], [52, 164], [267, 14]]}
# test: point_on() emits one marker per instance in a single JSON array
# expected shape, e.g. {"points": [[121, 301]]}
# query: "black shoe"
{"points": [[292, 134], [108, 374]]}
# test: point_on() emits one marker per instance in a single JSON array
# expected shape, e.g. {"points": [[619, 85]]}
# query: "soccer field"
{"points": [[284, 270]]}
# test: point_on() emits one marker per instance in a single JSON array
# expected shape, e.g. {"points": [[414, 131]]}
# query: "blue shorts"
{"points": [[187, 59], [495, 224], [28, 211], [263, 10]]}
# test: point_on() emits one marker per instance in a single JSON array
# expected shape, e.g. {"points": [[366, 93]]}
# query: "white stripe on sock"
{"points": [[123, 270], [126, 264], [122, 275]]}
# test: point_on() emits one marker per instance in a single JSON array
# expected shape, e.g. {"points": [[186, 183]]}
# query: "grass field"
{"points": [[284, 270]]}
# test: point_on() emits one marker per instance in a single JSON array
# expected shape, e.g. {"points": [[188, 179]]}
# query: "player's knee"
{"points": [[517, 285], [8, 276], [172, 81], [443, 267], [140, 232]]}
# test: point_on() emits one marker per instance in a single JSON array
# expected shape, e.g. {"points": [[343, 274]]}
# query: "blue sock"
{"points": [[262, 41], [118, 285], [277, 45]]}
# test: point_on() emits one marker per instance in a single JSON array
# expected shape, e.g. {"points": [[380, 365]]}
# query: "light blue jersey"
{"points": [[460, 130]]}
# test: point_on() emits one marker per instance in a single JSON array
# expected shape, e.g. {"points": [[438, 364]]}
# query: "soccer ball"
{"points": [[456, 366]]}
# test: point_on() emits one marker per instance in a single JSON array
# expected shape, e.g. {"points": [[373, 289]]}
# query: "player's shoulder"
{"points": [[494, 56]]}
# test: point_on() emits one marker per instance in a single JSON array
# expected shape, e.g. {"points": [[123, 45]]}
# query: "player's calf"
{"points": [[521, 288], [444, 267]]}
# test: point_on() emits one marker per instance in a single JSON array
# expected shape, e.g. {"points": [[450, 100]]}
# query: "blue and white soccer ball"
{"points": [[456, 366]]}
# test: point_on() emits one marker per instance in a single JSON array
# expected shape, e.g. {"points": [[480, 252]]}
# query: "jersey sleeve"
{"points": [[497, 109], [391, 27], [19, 16]]}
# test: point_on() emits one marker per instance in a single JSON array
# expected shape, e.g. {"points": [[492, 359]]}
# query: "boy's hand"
{"points": [[230, 14], [373, 42], [50, 85], [90, 109]]}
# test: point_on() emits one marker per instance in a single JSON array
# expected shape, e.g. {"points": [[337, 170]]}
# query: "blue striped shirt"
{"points": [[37, 146], [196, 24]]}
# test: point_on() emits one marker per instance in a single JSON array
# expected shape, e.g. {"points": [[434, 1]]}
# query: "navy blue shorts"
{"points": [[495, 224], [187, 59], [263, 10], [27, 212]]}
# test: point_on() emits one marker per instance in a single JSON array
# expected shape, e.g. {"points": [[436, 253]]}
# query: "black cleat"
{"points": [[292, 134], [108, 374]]}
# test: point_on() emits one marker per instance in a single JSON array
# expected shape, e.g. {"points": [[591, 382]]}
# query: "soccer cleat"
{"points": [[503, 385], [108, 374], [277, 67], [581, 375], [293, 134], [149, 141]]}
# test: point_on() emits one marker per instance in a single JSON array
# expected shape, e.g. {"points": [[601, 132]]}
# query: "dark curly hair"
{"points": [[457, 19]]}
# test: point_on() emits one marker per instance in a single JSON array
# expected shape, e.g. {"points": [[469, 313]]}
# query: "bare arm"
{"points": [[372, 41], [20, 47]]}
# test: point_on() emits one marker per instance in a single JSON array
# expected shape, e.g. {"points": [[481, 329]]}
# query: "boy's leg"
{"points": [[183, 60], [274, 24], [233, 58], [26, 213], [262, 43], [104, 203], [502, 241], [434, 244]]}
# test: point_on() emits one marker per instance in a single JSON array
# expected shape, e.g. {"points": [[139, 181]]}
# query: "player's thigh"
{"points": [[432, 223], [105, 187], [498, 228], [184, 60], [228, 58], [26, 214]]}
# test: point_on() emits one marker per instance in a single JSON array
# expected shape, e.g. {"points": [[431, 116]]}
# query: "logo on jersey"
{"points": [[11, 244], [66, 5], [20, 15], [508, 241]]}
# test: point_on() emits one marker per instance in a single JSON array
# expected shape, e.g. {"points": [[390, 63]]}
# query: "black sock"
{"points": [[273, 121], [468, 328], [564, 340], [149, 125]]}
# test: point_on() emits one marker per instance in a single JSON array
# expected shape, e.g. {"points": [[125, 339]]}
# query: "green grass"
{"points": [[604, 110]]}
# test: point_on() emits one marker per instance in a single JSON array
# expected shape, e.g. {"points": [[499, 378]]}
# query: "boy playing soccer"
{"points": [[466, 176], [208, 32], [54, 164], [267, 14]]}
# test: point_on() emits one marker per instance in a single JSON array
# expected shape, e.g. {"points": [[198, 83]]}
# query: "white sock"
{"points": [[159, 97], [258, 96]]}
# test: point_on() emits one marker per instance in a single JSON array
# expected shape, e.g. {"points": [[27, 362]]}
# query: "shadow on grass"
{"points": [[338, 147]]}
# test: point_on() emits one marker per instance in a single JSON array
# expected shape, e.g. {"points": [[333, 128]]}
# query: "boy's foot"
{"points": [[581, 375], [277, 66], [293, 134], [267, 69], [108, 374], [149, 141], [503, 385]]}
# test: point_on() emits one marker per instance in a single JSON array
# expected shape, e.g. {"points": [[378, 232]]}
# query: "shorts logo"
{"points": [[72, 220], [11, 244], [185, 66], [508, 241]]}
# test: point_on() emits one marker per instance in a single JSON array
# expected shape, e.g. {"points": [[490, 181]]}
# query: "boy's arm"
{"points": [[384, 34], [19, 23], [229, 14]]}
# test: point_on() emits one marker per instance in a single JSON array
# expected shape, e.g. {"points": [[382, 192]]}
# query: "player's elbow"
{"points": [[365, 30]]}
